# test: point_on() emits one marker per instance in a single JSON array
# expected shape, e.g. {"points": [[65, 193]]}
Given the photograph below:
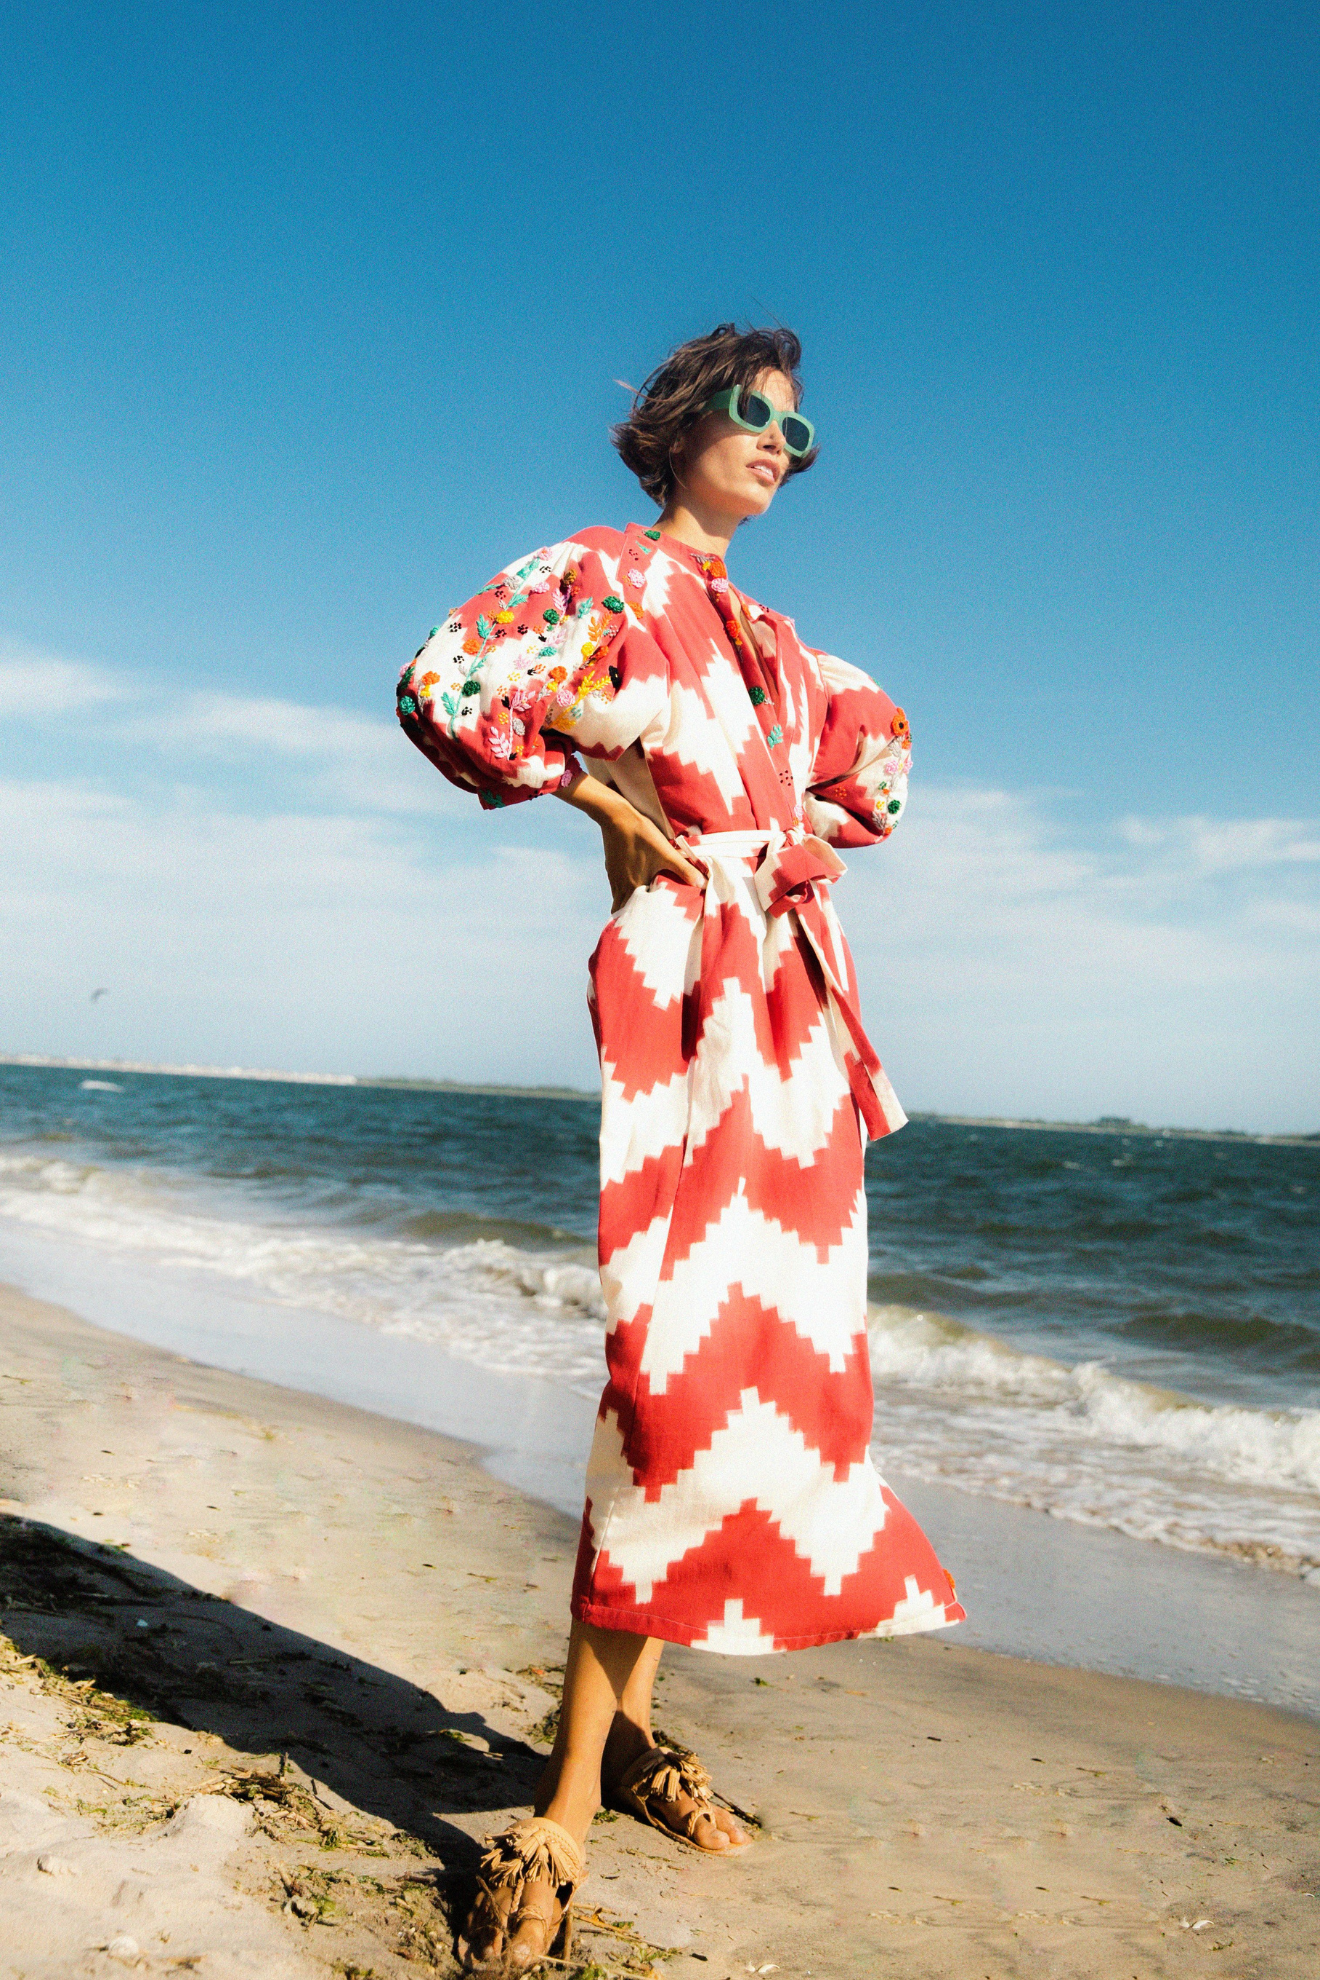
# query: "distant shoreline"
{"points": [[43, 1060], [1124, 1129], [1107, 1124]]}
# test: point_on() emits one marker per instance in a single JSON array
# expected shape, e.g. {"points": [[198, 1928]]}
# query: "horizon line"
{"points": [[1105, 1123]]}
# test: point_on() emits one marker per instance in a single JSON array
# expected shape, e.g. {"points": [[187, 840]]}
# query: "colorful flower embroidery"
{"points": [[533, 654]]}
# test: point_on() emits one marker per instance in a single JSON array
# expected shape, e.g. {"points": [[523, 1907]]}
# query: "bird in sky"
{"points": [[102, 992]]}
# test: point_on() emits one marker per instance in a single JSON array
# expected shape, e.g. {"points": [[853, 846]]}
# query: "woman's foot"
{"points": [[522, 1909], [668, 1788]]}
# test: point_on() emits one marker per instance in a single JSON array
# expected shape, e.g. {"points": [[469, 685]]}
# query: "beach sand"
{"points": [[273, 1665]]}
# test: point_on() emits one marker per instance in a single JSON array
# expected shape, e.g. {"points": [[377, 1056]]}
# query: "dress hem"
{"points": [[645, 1622]]}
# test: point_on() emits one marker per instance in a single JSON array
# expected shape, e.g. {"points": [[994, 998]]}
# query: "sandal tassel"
{"points": [[532, 1852], [535, 1851], [667, 1774]]}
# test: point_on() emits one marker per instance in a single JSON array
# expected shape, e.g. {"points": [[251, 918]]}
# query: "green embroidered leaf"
{"points": [[484, 626], [775, 736]]}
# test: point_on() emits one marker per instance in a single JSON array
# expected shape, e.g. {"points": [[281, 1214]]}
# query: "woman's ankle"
{"points": [[568, 1795], [626, 1742]]}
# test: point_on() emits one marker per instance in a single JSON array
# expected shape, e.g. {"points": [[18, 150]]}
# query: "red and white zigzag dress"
{"points": [[731, 1499]]}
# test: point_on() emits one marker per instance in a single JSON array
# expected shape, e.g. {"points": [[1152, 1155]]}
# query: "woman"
{"points": [[731, 1499]]}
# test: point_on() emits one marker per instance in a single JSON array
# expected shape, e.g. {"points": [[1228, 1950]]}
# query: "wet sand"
{"points": [[275, 1664]]}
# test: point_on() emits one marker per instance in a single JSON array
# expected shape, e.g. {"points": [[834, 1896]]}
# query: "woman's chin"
{"points": [[757, 501]]}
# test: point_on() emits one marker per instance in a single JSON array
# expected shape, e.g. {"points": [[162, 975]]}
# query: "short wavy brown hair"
{"points": [[671, 401]]}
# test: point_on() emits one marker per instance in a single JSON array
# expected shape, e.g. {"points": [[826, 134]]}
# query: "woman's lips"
{"points": [[766, 471]]}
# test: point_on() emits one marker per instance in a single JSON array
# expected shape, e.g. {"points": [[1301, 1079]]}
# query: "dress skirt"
{"points": [[732, 1503]]}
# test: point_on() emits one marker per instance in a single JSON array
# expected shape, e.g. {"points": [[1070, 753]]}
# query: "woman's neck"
{"points": [[707, 530]]}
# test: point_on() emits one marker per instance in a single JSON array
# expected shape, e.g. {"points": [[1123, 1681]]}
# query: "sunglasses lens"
{"points": [[755, 411], [797, 434]]}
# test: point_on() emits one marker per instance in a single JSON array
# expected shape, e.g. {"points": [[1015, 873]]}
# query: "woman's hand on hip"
{"points": [[636, 850]]}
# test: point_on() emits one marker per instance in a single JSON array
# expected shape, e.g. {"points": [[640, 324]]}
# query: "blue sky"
{"points": [[309, 318]]}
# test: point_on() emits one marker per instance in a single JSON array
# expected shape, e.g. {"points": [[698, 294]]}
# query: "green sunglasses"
{"points": [[754, 412]]}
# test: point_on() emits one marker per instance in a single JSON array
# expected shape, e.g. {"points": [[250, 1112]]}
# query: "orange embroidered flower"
{"points": [[899, 726], [472, 645], [428, 680], [556, 675]]}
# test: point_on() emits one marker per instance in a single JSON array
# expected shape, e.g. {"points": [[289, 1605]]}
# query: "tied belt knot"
{"points": [[793, 873]]}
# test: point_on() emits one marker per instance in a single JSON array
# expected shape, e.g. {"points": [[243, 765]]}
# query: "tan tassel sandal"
{"points": [[659, 1778], [504, 1935]]}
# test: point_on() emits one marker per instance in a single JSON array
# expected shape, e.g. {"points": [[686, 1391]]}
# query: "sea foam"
{"points": [[954, 1405]]}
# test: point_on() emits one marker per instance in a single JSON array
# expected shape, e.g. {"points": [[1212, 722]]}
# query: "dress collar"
{"points": [[696, 561]]}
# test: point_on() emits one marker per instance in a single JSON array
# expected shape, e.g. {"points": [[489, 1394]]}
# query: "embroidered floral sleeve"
{"points": [[859, 779], [497, 693]]}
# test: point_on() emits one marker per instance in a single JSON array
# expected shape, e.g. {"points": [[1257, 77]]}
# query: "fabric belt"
{"points": [[793, 873]]}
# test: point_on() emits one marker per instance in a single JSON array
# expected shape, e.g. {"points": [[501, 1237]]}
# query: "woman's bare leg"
{"points": [[597, 1677], [604, 1724]]}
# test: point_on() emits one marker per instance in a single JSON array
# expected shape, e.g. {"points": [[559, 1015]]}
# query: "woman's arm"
{"points": [[635, 849]]}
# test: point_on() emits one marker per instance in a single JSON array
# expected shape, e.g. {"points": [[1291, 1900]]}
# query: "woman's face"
{"points": [[725, 469]]}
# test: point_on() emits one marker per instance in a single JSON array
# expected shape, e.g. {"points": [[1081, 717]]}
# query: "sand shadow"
{"points": [[196, 1661]]}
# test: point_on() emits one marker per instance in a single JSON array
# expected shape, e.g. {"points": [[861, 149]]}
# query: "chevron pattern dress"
{"points": [[732, 1503]]}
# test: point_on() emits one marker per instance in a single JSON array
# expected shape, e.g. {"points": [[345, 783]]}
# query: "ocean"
{"points": [[1120, 1330]]}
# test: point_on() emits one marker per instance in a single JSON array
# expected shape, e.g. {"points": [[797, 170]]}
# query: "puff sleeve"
{"points": [[858, 783], [498, 694]]}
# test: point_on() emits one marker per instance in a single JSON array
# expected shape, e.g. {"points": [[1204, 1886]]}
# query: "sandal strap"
{"points": [[663, 1773]]}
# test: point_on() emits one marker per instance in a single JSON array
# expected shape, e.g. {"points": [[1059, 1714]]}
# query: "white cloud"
{"points": [[1205, 845], [339, 943], [36, 685], [307, 751], [1009, 969]]}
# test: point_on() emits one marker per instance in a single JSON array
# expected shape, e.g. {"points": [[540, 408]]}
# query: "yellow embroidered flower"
{"points": [[504, 618]]}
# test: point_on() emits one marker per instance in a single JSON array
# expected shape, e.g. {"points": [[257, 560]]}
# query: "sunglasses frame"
{"points": [[729, 402]]}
